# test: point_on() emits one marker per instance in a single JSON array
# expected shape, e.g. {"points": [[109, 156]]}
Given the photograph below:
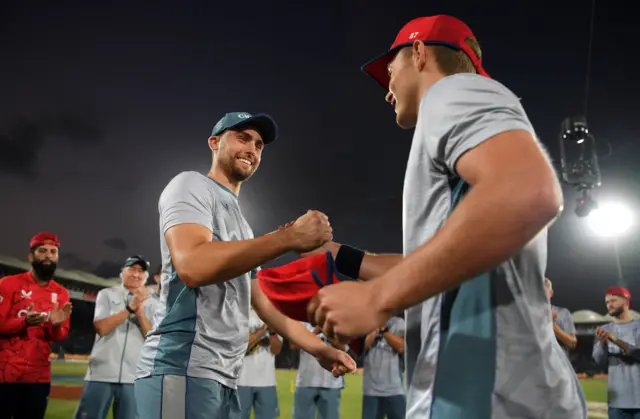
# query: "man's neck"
{"points": [[624, 318], [39, 281], [132, 290], [217, 174]]}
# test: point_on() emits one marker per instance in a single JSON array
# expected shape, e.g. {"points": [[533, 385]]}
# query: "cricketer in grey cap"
{"points": [[209, 261]]}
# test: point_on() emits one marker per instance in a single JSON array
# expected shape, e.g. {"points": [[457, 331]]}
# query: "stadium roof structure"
{"points": [[587, 316], [70, 275]]}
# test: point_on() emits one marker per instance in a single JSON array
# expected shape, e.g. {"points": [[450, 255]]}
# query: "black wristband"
{"points": [[130, 310], [348, 261]]}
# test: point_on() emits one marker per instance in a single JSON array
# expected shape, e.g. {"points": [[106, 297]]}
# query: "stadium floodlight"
{"points": [[610, 219]]}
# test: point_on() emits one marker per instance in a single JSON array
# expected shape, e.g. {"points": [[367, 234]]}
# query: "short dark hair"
{"points": [[451, 61]]}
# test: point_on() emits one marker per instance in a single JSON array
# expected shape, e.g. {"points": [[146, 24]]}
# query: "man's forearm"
{"points": [[275, 344], [12, 326], [106, 325], [566, 339], [491, 224], [145, 324], [620, 344], [396, 342], [60, 332], [373, 265], [215, 262]]}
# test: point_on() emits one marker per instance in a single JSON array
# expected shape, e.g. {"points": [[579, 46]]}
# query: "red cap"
{"points": [[291, 287], [44, 238], [619, 291], [432, 30]]}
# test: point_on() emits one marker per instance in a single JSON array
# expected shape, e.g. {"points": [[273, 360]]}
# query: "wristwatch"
{"points": [[130, 310]]}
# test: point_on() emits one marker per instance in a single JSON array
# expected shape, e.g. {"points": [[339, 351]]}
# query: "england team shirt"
{"points": [[311, 373], [25, 349], [624, 369], [485, 350], [383, 375], [258, 367], [199, 332]]}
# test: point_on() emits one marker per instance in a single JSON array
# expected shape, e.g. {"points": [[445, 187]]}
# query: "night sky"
{"points": [[101, 105]]}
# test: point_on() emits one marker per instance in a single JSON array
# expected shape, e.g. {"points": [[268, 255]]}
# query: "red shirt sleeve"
{"points": [[60, 332], [8, 325]]}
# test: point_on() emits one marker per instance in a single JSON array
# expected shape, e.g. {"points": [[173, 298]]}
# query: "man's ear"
{"points": [[30, 257], [420, 54], [214, 142]]}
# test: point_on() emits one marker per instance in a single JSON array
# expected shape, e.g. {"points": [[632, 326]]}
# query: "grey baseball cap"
{"points": [[263, 123]]}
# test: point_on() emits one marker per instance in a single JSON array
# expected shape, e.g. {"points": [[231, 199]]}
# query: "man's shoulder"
{"points": [[465, 82], [59, 288], [464, 91], [116, 289], [188, 179], [9, 280]]}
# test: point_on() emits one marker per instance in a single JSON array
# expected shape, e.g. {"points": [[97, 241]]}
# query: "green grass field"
{"points": [[595, 390]]}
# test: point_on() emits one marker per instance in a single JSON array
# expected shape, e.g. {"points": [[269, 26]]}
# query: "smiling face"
{"points": [[238, 152]]}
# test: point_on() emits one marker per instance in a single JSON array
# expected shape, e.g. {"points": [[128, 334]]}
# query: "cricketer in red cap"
{"points": [[34, 311], [479, 193]]}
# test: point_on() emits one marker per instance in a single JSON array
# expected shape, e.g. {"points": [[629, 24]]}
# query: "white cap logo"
{"points": [[244, 115]]}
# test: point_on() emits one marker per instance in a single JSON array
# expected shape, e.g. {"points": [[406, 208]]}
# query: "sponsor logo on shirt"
{"points": [[26, 294], [23, 313]]}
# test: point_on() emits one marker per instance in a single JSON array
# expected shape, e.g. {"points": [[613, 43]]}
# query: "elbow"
{"points": [[545, 198], [191, 276], [100, 331]]}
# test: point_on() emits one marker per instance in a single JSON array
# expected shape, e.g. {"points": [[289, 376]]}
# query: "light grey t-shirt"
{"points": [[383, 375], [200, 332], [565, 323], [311, 374], [485, 350], [114, 356], [258, 367], [624, 369]]}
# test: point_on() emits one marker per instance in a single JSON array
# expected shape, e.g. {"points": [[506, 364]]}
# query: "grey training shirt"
{"points": [[485, 350], [115, 355], [383, 375], [624, 369], [200, 332]]}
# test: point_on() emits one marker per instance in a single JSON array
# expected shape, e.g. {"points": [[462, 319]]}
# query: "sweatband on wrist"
{"points": [[348, 261]]}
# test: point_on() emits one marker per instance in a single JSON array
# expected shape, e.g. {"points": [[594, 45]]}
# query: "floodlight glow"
{"points": [[610, 219]]}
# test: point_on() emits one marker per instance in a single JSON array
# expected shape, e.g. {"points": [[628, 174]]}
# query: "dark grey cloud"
{"points": [[108, 269], [115, 243], [22, 140], [75, 261]]}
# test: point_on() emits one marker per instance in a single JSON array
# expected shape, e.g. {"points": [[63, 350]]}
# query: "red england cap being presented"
{"points": [[619, 291], [44, 238], [291, 287], [432, 30]]}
